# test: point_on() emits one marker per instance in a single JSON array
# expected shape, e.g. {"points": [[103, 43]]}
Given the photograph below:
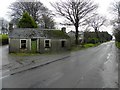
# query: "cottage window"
{"points": [[62, 43], [47, 44], [23, 44]]}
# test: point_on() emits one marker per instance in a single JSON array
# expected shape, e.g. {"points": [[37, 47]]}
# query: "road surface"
{"points": [[4, 52], [91, 68]]}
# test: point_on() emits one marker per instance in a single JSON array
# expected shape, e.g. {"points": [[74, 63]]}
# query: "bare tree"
{"points": [[47, 21], [116, 9], [3, 26], [34, 7], [116, 21], [74, 11], [96, 21]]}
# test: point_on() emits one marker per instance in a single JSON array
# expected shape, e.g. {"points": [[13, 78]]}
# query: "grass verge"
{"points": [[84, 46], [118, 44], [73, 48], [3, 39], [37, 54], [24, 54]]}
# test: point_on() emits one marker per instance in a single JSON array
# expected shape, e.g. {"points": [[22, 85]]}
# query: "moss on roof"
{"points": [[29, 33], [56, 34]]}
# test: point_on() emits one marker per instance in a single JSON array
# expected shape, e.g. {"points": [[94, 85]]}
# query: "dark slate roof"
{"points": [[22, 33]]}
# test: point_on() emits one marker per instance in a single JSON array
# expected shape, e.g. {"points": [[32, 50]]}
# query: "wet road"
{"points": [[4, 55], [91, 68]]}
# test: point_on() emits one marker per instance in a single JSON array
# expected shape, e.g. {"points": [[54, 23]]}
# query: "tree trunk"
{"points": [[97, 35], [76, 35]]}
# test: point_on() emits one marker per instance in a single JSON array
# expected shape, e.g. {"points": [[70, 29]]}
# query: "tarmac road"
{"points": [[95, 67]]}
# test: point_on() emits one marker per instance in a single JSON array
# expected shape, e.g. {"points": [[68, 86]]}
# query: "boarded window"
{"points": [[47, 43], [23, 44], [62, 43]]}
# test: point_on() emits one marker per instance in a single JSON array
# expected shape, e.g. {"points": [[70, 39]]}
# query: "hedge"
{"points": [[3, 39], [118, 44]]}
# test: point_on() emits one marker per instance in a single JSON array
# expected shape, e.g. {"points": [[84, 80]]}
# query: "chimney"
{"points": [[10, 27], [63, 29]]}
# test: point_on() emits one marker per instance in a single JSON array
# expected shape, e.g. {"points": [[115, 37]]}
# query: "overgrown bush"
{"points": [[117, 36], [118, 44], [27, 21], [3, 39], [89, 45], [93, 40], [90, 37]]}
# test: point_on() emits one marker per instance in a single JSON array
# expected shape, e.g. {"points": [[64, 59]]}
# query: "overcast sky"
{"points": [[103, 9]]}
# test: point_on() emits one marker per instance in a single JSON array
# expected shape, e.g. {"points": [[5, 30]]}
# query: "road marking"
{"points": [[108, 56], [4, 71], [5, 76]]}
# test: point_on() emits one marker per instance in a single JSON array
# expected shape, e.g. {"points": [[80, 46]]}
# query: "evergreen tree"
{"points": [[27, 21]]}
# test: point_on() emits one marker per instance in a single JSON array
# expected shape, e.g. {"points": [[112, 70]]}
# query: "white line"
{"points": [[108, 56], [5, 76], [106, 62], [4, 71]]}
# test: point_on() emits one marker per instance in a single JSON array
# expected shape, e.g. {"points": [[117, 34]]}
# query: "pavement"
{"points": [[96, 67], [12, 63], [118, 59]]}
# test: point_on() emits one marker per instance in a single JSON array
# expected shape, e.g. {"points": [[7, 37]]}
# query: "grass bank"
{"points": [[118, 44], [37, 54], [73, 48], [24, 54], [3, 39], [84, 46]]}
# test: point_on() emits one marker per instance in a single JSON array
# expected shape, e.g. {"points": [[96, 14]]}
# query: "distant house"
{"points": [[71, 34], [36, 40]]}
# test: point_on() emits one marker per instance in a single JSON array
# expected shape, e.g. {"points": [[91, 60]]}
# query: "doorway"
{"points": [[34, 45]]}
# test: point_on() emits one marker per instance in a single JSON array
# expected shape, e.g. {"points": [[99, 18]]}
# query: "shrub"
{"points": [[118, 44], [27, 21], [89, 45], [3, 39], [93, 40]]}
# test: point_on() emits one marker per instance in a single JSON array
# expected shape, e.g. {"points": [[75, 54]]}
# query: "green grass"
{"points": [[57, 34], [3, 39], [84, 46], [88, 45], [73, 48], [24, 54], [118, 44], [32, 54], [35, 54], [76, 47], [4, 36]]}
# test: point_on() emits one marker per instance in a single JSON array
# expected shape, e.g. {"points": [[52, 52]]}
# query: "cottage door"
{"points": [[34, 45]]}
